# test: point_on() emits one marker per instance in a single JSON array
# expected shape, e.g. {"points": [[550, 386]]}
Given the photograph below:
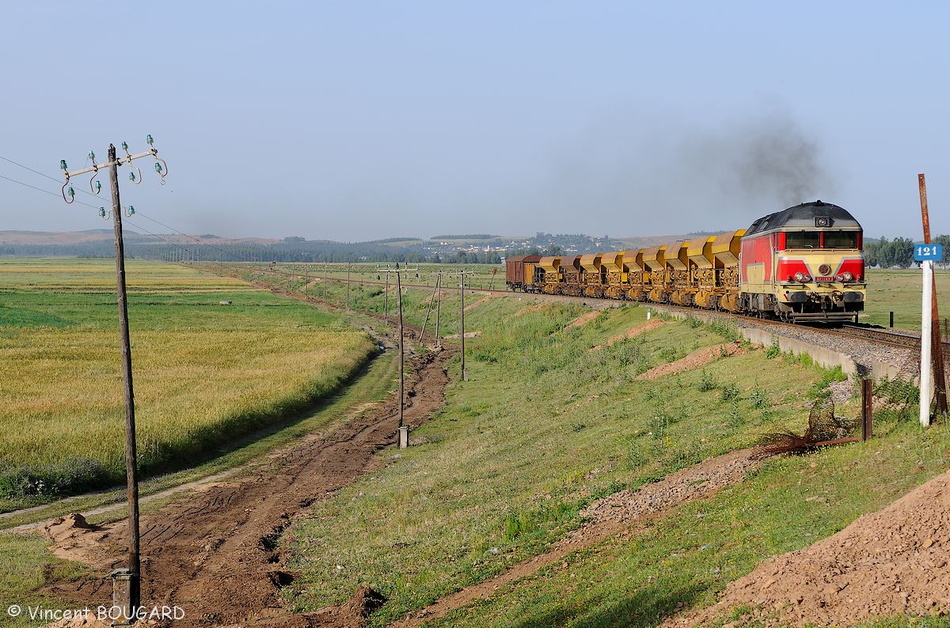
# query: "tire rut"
{"points": [[215, 553]]}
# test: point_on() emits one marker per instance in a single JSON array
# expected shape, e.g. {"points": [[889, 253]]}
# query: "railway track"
{"points": [[881, 336], [900, 340]]}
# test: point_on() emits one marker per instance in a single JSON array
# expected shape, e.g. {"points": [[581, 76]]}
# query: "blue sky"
{"points": [[362, 120]]}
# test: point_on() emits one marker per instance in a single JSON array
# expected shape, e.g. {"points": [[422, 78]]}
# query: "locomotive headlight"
{"points": [[839, 278], [799, 276], [848, 277]]}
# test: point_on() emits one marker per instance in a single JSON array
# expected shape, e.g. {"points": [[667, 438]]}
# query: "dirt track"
{"points": [[214, 552]]}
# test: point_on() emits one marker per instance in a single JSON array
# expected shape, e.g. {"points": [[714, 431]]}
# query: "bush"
{"points": [[727, 329], [729, 392], [707, 382], [758, 399]]}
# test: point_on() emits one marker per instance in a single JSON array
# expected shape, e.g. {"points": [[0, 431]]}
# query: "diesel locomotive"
{"points": [[800, 264]]}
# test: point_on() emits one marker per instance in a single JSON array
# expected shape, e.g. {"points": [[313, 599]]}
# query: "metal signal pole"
{"points": [[126, 583]]}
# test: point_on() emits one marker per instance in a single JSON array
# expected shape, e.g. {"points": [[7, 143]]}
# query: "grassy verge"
{"points": [[546, 424], [549, 423], [683, 559]]}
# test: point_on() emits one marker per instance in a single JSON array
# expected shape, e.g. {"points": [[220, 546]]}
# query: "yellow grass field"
{"points": [[213, 359]]}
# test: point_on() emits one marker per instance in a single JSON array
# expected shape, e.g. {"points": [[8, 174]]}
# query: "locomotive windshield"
{"points": [[802, 240], [821, 239], [841, 240]]}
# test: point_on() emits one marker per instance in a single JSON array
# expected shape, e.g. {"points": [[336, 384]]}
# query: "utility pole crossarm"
{"points": [[113, 162], [119, 161]]}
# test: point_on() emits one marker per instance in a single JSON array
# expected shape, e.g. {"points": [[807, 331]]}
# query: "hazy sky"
{"points": [[354, 120]]}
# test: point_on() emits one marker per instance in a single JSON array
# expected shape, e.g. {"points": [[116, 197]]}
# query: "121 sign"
{"points": [[928, 252]]}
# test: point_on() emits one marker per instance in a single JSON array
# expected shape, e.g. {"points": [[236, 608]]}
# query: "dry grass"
{"points": [[204, 374]]}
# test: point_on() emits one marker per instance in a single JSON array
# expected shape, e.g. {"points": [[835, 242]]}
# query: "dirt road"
{"points": [[214, 553]]}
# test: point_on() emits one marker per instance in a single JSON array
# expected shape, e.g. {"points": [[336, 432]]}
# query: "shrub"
{"points": [[758, 399], [729, 392], [707, 382], [658, 425], [728, 330]]}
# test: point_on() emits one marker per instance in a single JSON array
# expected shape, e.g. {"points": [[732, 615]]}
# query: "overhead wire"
{"points": [[42, 174], [229, 254], [33, 187]]}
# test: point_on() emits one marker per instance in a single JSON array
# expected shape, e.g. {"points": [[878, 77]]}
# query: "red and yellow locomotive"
{"points": [[800, 264]]}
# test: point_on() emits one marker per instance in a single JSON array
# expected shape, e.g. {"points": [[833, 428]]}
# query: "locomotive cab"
{"points": [[804, 264]]}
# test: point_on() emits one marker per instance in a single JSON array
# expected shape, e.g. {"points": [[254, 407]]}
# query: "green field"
{"points": [[213, 359], [899, 291]]}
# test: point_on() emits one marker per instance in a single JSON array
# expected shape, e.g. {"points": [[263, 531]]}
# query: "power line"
{"points": [[197, 241], [42, 174], [33, 187], [28, 185], [229, 254]]}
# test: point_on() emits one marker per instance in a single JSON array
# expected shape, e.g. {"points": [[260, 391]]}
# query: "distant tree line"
{"points": [[472, 236], [899, 252], [551, 249]]}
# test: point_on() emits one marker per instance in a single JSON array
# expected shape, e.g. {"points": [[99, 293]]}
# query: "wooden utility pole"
{"points": [[131, 458], [438, 313], [403, 430], [402, 339], [936, 344], [347, 285], [462, 318], [425, 321], [126, 583]]}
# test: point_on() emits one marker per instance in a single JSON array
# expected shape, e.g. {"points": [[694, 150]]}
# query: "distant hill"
{"points": [[472, 248], [68, 238]]}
